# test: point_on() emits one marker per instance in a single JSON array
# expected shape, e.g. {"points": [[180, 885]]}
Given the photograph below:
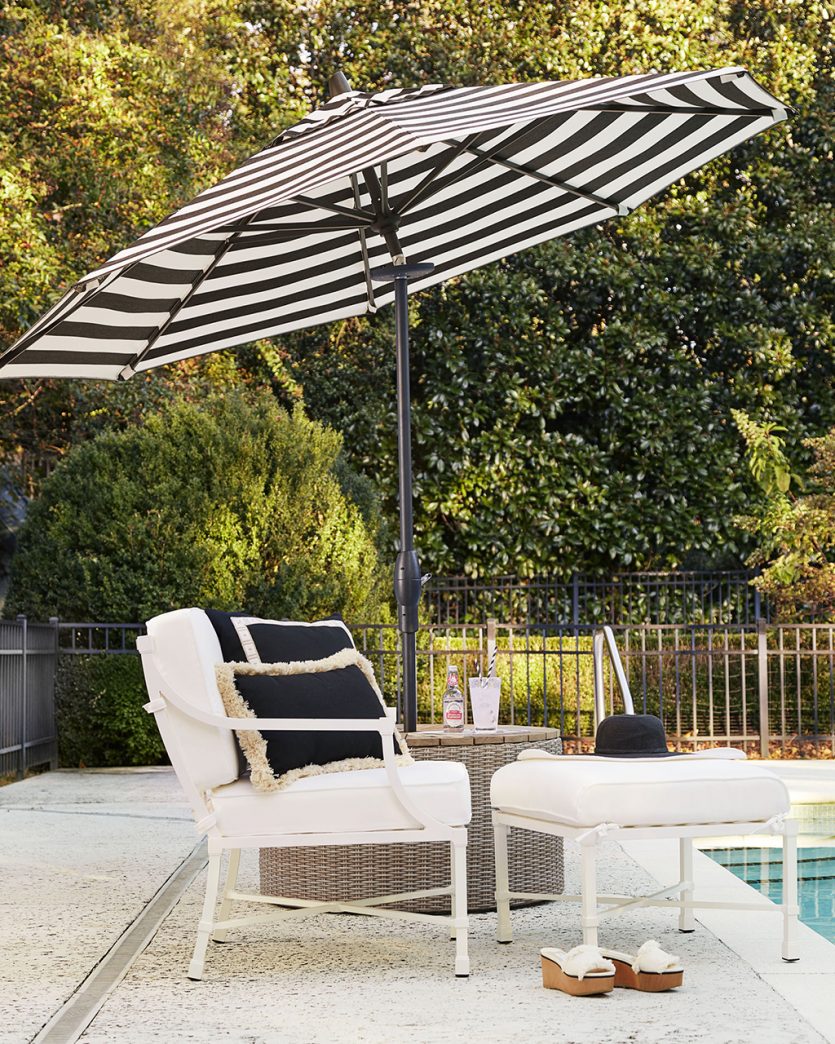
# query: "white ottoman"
{"points": [[683, 797]]}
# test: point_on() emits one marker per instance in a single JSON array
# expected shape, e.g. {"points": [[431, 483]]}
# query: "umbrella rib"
{"points": [[384, 186], [619, 208], [754, 114], [335, 208], [309, 226], [420, 192], [130, 368], [366, 265], [485, 156]]}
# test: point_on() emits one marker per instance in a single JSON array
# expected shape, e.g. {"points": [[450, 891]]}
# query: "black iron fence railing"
{"points": [[764, 687], [627, 598], [28, 658]]}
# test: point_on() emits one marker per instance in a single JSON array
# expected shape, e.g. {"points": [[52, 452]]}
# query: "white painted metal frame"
{"points": [[424, 829], [594, 907], [678, 896]]}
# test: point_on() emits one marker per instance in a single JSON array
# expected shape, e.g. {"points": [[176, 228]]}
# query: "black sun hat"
{"points": [[632, 736]]}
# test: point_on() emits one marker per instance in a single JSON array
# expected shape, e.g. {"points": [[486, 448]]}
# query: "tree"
{"points": [[234, 504], [795, 532], [111, 116], [572, 403]]}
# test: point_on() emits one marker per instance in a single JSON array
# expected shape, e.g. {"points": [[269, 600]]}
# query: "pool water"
{"points": [[762, 868]]}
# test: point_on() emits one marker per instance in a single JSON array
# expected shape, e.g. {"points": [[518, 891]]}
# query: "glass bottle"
{"points": [[453, 702]]}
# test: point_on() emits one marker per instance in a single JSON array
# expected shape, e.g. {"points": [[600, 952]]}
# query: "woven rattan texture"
{"points": [[359, 871]]}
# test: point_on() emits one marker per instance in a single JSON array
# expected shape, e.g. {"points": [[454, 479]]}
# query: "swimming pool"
{"points": [[761, 867]]}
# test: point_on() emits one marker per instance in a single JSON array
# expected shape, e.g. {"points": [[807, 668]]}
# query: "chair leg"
{"points": [[226, 902], [459, 907], [204, 928], [504, 932], [790, 907], [686, 920], [588, 888]]}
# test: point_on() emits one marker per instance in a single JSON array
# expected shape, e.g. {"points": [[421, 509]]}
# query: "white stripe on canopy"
{"points": [[514, 165]]}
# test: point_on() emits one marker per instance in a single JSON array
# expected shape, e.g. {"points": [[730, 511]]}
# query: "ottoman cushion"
{"points": [[640, 793]]}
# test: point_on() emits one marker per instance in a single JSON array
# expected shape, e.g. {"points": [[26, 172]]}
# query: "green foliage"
{"points": [[99, 715], [571, 402], [767, 460], [795, 533], [232, 504]]}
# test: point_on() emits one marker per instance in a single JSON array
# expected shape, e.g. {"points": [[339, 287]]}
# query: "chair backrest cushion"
{"points": [[185, 653]]}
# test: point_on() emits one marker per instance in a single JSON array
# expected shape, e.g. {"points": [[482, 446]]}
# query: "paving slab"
{"points": [[343, 979], [84, 852], [81, 853]]}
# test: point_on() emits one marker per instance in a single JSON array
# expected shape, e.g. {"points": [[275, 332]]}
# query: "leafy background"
{"points": [[572, 403]]}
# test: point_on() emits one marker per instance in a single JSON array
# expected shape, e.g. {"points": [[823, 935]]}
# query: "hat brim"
{"points": [[642, 754]]}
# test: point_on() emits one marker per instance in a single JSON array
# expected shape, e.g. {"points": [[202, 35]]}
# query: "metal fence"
{"points": [[768, 688], [627, 598], [28, 656]]}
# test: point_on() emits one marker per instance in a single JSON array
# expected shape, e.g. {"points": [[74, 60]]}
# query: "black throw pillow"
{"points": [[291, 641], [243, 636], [230, 643], [339, 686]]}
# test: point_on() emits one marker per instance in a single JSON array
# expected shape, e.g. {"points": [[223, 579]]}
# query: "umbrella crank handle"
{"points": [[407, 586]]}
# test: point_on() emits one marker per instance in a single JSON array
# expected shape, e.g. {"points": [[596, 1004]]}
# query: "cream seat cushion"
{"points": [[340, 802], [646, 792]]}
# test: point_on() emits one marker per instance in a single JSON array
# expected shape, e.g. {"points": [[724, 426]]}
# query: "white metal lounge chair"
{"points": [[584, 799], [426, 801]]}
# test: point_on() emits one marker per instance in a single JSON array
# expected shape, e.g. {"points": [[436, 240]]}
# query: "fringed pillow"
{"points": [[243, 636], [340, 686], [291, 641]]}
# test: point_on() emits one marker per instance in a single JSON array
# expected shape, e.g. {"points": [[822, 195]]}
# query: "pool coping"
{"points": [[808, 985]]}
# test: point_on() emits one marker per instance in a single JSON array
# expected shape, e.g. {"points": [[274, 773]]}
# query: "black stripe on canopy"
{"points": [[287, 239]]}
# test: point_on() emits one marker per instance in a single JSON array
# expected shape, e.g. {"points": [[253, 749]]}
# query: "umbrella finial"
{"points": [[338, 84]]}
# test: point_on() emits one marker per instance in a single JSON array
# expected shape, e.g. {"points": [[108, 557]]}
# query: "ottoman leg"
{"points": [[504, 933], [686, 920], [588, 889], [459, 908]]}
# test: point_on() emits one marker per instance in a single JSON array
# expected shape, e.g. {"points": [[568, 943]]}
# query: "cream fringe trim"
{"points": [[254, 745]]}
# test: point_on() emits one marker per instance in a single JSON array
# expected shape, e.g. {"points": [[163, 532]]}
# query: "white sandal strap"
{"points": [[651, 958], [581, 961]]}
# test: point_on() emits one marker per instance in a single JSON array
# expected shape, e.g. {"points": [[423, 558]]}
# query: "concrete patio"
{"points": [[102, 889]]}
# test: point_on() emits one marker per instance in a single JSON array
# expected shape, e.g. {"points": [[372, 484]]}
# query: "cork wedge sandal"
{"points": [[581, 972], [650, 969]]}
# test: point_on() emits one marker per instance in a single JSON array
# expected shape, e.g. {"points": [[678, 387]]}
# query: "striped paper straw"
{"points": [[491, 670]]}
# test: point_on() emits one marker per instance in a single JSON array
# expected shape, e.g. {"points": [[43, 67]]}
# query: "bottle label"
{"points": [[454, 714]]}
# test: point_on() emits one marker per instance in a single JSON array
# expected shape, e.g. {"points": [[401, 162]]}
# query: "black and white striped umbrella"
{"points": [[449, 178], [467, 174]]}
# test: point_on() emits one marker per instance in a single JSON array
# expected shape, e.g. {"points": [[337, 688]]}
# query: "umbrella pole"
{"points": [[407, 567], [407, 577]]}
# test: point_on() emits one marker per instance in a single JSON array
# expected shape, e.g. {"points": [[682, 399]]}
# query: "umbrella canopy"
{"points": [[448, 177], [457, 176]]}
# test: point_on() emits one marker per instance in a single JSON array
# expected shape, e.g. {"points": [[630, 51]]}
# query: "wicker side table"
{"points": [[360, 871]]}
